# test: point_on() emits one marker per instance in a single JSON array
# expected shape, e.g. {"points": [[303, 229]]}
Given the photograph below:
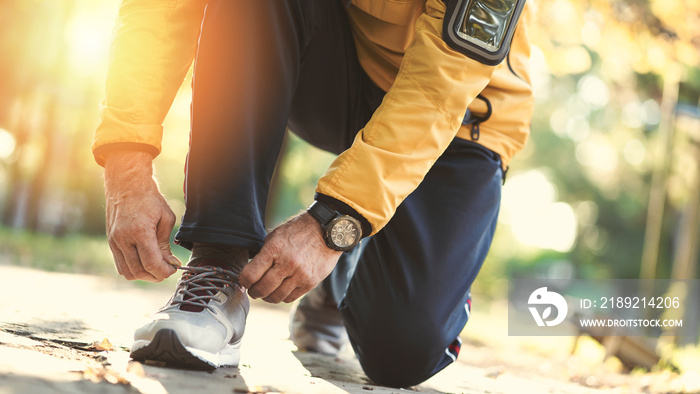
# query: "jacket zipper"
{"points": [[477, 121], [476, 131]]}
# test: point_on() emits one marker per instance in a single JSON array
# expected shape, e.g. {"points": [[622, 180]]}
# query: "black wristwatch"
{"points": [[341, 232]]}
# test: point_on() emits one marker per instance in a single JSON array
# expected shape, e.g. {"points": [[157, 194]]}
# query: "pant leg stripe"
{"points": [[452, 356], [453, 349]]}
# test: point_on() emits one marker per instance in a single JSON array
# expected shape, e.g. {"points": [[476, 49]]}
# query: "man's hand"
{"points": [[293, 260], [139, 221]]}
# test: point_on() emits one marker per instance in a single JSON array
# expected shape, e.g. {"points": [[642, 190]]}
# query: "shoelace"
{"points": [[202, 283]]}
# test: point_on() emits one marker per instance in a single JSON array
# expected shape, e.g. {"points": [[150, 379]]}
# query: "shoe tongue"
{"points": [[202, 263]]}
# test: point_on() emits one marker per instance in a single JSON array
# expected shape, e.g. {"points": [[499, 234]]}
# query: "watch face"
{"points": [[344, 232]]}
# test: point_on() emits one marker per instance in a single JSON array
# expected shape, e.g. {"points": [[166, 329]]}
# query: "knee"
{"points": [[400, 356]]}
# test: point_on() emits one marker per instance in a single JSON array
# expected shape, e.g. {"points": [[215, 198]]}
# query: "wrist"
{"points": [[345, 209], [341, 232], [125, 161], [126, 167]]}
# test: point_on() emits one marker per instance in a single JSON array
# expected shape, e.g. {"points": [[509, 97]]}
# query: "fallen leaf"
{"points": [[104, 345]]}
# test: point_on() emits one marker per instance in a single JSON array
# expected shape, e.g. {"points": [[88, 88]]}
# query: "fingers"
{"points": [[141, 261], [152, 261], [133, 262], [163, 230], [282, 292], [139, 257], [139, 237], [295, 294], [255, 269], [269, 283], [168, 255], [120, 262], [274, 280], [292, 261]]}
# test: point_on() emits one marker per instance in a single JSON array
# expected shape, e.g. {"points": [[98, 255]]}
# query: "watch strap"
{"points": [[344, 209], [322, 212]]}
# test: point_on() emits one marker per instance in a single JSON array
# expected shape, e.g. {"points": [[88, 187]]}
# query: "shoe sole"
{"points": [[167, 348]]}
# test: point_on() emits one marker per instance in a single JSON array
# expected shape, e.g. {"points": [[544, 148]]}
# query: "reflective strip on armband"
{"points": [[482, 29]]}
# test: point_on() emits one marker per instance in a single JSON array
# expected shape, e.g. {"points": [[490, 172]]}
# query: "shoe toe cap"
{"points": [[193, 331]]}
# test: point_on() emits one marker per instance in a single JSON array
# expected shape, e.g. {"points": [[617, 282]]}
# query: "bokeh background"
{"points": [[608, 186]]}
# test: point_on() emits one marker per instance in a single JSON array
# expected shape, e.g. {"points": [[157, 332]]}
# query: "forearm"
{"points": [[154, 45]]}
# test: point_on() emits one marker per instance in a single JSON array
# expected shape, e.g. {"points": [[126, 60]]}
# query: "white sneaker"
{"points": [[201, 326], [317, 325]]}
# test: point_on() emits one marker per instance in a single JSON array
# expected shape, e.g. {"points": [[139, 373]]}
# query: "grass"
{"points": [[72, 254]]}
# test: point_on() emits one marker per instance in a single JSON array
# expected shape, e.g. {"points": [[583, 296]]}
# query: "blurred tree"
{"points": [[599, 84], [15, 90], [49, 106], [50, 127]]}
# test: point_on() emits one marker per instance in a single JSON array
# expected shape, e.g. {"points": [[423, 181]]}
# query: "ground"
{"points": [[70, 333]]}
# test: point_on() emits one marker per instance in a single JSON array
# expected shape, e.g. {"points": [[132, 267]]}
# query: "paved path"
{"points": [[49, 323]]}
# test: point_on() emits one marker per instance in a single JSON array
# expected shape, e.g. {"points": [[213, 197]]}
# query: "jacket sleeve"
{"points": [[153, 48], [420, 115]]}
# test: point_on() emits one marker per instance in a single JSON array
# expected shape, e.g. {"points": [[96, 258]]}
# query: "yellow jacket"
{"points": [[429, 87]]}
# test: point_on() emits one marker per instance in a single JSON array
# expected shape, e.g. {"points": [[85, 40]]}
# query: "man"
{"points": [[385, 84]]}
